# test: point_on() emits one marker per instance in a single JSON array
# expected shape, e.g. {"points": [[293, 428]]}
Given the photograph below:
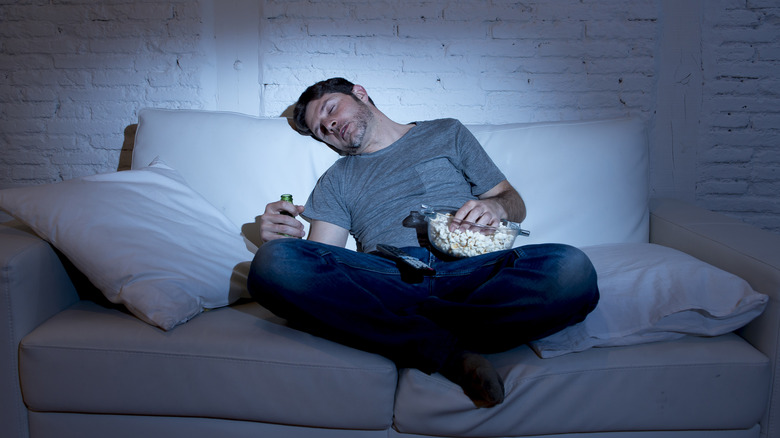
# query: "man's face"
{"points": [[340, 120]]}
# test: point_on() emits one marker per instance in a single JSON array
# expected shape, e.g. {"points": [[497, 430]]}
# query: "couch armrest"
{"points": [[33, 287], [743, 250]]}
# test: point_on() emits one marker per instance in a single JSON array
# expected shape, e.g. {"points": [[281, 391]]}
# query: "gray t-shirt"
{"points": [[438, 163]]}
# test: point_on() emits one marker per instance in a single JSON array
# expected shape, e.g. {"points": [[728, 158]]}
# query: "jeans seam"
{"points": [[471, 270], [390, 271]]}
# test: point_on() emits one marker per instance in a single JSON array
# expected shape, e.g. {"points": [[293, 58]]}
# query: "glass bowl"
{"points": [[460, 238]]}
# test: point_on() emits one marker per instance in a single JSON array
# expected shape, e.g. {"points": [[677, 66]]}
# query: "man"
{"points": [[436, 323]]}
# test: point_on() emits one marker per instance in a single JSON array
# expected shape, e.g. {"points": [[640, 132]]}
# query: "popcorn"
{"points": [[468, 241]]}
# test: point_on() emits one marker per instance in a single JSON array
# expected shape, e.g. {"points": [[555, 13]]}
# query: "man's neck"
{"points": [[384, 133]]}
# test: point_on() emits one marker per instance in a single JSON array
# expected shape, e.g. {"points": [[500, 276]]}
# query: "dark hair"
{"points": [[314, 92]]}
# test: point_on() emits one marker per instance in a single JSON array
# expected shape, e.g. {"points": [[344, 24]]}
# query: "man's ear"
{"points": [[360, 92]]}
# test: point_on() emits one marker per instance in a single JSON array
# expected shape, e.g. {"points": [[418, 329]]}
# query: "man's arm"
{"points": [[275, 225], [500, 202], [326, 232]]}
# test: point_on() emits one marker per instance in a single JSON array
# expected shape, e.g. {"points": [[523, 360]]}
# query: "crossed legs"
{"points": [[482, 304]]}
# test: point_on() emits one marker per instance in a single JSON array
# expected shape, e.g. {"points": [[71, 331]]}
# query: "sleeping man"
{"points": [[438, 322]]}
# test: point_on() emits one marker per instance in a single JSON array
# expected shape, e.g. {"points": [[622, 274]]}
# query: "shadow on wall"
{"points": [[126, 154]]}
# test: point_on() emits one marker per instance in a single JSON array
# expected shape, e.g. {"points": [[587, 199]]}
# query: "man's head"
{"points": [[313, 111]]}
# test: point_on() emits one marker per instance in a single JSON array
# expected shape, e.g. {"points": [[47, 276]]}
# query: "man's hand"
{"points": [[481, 212], [275, 225], [500, 202]]}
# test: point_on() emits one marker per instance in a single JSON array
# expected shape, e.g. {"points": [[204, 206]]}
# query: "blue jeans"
{"points": [[488, 303]]}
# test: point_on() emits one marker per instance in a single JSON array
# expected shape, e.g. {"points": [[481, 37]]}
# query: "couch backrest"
{"points": [[584, 183]]}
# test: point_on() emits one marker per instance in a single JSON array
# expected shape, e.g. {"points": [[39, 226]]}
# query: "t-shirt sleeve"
{"points": [[326, 202], [475, 163]]}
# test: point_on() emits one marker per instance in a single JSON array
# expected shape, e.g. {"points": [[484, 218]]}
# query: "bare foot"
{"points": [[476, 376]]}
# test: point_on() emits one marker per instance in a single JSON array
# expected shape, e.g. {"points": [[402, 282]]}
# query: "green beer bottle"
{"points": [[286, 197]]}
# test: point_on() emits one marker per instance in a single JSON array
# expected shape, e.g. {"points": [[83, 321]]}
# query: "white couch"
{"points": [[659, 357]]}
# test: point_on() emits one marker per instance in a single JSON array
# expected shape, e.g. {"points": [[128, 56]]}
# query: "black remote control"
{"points": [[397, 254]]}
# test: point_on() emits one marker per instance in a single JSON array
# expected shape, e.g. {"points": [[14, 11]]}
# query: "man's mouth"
{"points": [[343, 131]]}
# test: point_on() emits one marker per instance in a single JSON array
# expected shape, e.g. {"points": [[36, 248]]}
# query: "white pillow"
{"points": [[652, 293], [142, 237]]}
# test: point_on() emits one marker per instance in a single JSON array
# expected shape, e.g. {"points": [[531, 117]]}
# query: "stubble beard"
{"points": [[361, 121]]}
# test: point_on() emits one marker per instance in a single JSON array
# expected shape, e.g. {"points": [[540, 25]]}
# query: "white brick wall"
{"points": [[75, 74], [739, 135], [500, 63]]}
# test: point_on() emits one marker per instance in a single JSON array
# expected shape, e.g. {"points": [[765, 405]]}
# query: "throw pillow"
{"points": [[653, 293], [142, 237]]}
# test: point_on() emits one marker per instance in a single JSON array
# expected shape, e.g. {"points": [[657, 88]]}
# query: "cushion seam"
{"points": [[198, 357], [517, 382], [513, 383]]}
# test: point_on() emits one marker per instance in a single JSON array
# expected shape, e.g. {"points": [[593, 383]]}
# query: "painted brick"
{"points": [[443, 30], [394, 47], [768, 52], [333, 45], [740, 118], [333, 27], [498, 10], [11, 128], [10, 61], [128, 46], [75, 73], [769, 188], [552, 30], [89, 61], [302, 9], [767, 121], [723, 187], [761, 4], [69, 109], [739, 204], [43, 144], [503, 48], [43, 45], [731, 120], [381, 10], [25, 173], [27, 110]]}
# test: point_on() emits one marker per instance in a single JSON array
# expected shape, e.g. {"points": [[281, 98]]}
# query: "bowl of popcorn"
{"points": [[461, 238]]}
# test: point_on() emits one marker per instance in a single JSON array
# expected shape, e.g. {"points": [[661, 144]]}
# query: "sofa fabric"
{"points": [[75, 365], [552, 166], [248, 368], [263, 153], [742, 250], [266, 371], [265, 156], [27, 298], [688, 384]]}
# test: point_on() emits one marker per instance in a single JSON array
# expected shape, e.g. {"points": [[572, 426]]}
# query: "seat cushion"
{"points": [[691, 383], [236, 362]]}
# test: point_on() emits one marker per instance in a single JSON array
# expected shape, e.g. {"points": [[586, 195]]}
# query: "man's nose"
{"points": [[328, 127], [331, 126]]}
